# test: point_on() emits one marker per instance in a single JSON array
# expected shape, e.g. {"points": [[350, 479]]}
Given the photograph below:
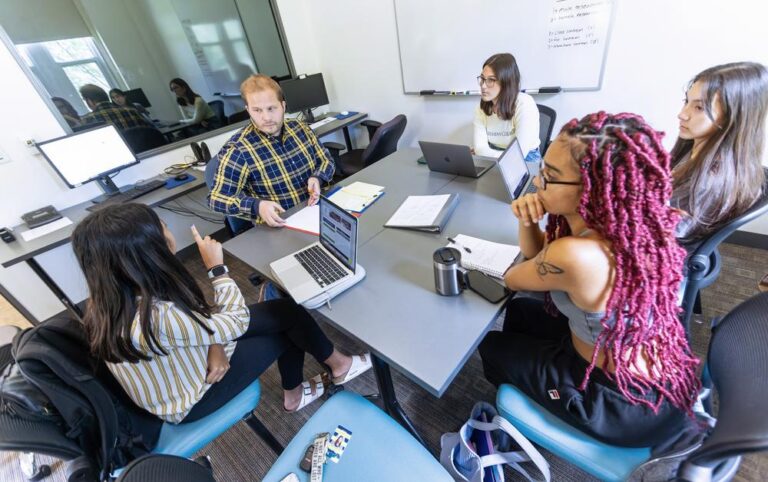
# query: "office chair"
{"points": [[218, 108], [141, 139], [167, 468], [737, 362], [384, 139], [238, 117], [233, 224], [547, 117], [704, 263]]}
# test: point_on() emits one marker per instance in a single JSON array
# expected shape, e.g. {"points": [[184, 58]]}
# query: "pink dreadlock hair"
{"points": [[627, 186]]}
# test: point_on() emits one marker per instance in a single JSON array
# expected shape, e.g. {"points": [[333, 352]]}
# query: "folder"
{"points": [[424, 213]]}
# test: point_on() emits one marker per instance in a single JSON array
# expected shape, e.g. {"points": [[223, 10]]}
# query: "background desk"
{"points": [[395, 310], [338, 124], [30, 252]]}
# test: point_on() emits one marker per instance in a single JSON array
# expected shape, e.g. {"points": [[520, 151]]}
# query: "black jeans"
{"points": [[279, 330], [534, 352]]}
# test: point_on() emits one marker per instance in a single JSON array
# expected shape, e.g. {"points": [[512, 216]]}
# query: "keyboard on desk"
{"points": [[136, 191], [320, 265], [321, 123]]}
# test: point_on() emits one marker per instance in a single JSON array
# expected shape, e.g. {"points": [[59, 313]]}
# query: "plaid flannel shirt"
{"points": [[121, 117], [254, 166]]}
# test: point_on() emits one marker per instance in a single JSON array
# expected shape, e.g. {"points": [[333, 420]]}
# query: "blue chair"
{"points": [[233, 224], [379, 450], [736, 364]]}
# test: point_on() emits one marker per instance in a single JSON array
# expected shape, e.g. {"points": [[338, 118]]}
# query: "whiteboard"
{"points": [[557, 43]]}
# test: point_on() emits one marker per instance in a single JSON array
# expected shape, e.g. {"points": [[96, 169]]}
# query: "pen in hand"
{"points": [[453, 241]]}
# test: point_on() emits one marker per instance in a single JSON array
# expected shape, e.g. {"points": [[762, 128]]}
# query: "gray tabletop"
{"points": [[338, 124], [395, 310], [20, 250]]}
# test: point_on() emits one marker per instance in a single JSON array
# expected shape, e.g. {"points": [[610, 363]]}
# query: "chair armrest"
{"points": [[371, 125], [334, 147]]}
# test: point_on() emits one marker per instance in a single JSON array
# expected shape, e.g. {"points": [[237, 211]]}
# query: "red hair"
{"points": [[627, 187]]}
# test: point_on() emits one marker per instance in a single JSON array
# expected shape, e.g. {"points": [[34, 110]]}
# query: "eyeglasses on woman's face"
{"points": [[488, 81], [546, 178]]}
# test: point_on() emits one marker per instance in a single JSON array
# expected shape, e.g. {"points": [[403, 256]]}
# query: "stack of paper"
{"points": [[357, 196], [307, 220], [491, 258]]}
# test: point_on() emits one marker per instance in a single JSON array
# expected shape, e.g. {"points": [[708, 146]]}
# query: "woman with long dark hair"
{"points": [[504, 113], [717, 159], [175, 354], [196, 110], [605, 350]]}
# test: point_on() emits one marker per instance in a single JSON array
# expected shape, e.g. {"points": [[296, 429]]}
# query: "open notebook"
{"points": [[491, 258]]}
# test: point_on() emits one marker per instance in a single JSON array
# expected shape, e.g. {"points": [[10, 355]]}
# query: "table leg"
{"points": [[347, 139], [389, 397], [39, 271]]}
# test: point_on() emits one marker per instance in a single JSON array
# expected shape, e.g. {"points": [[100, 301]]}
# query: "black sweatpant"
{"points": [[279, 330], [535, 353]]}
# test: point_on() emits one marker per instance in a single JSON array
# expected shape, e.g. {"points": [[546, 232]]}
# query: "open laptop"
{"points": [[455, 159], [317, 273], [515, 172]]}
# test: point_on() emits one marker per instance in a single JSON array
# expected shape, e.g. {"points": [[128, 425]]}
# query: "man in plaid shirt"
{"points": [[104, 111], [270, 165]]}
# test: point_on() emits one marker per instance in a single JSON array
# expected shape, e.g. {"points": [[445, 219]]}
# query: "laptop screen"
{"points": [[513, 169], [338, 233]]}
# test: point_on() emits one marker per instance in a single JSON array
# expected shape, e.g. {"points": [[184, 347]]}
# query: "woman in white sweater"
{"points": [[505, 113]]}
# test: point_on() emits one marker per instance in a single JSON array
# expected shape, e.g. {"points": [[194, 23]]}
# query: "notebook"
{"points": [[357, 196], [424, 213], [491, 258]]}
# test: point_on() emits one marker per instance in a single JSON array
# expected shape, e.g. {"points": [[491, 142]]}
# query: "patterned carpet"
{"points": [[239, 455]]}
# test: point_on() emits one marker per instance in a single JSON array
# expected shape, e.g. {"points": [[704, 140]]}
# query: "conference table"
{"points": [[395, 310]]}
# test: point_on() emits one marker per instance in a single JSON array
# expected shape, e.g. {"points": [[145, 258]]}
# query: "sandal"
{"points": [[763, 284], [360, 364], [312, 389]]}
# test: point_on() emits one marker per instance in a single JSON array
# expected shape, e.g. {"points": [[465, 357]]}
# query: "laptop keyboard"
{"points": [[323, 268]]}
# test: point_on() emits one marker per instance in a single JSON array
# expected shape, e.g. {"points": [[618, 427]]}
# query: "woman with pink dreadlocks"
{"points": [[604, 351]]}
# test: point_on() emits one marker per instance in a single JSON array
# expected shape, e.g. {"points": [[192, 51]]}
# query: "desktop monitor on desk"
{"points": [[90, 155], [304, 94], [137, 96]]}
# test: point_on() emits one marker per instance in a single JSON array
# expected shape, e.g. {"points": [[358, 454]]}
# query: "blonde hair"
{"points": [[259, 82]]}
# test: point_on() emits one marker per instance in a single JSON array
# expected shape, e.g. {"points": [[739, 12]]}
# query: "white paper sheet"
{"points": [[46, 229], [418, 211], [307, 220]]}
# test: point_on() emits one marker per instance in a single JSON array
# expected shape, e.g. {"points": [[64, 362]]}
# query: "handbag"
{"points": [[464, 459]]}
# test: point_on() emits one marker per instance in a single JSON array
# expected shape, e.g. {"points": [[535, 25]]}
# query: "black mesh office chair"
{"points": [[167, 468], [141, 139], [384, 139], [547, 117], [238, 117], [218, 108], [737, 364], [704, 262]]}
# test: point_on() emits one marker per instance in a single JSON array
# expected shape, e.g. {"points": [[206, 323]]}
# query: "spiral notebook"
{"points": [[491, 258]]}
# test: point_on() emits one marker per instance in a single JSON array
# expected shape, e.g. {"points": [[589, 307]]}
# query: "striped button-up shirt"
{"points": [[254, 166], [170, 385], [121, 117]]}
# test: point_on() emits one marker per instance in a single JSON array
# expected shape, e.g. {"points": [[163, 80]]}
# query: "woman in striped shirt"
{"points": [[176, 355]]}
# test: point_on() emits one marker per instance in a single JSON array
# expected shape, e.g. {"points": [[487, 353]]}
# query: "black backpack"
{"points": [[95, 411]]}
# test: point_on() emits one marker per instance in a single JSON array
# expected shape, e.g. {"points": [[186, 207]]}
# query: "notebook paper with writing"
{"points": [[357, 196], [491, 258], [424, 213]]}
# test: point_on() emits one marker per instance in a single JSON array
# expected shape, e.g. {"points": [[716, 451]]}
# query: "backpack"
{"points": [[95, 411]]}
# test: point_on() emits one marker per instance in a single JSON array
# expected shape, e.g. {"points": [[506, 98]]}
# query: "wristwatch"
{"points": [[218, 271]]}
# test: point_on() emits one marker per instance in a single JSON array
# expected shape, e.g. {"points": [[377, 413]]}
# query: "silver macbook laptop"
{"points": [[455, 159], [328, 266], [514, 171]]}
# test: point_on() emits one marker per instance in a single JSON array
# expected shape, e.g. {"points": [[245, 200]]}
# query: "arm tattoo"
{"points": [[542, 267]]}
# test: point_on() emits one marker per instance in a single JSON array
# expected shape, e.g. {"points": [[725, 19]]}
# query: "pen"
{"points": [[453, 241]]}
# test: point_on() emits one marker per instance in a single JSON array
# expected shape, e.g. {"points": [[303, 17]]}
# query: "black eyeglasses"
{"points": [[489, 82], [545, 181]]}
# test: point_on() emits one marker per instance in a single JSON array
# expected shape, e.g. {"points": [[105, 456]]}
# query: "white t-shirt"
{"points": [[524, 126]]}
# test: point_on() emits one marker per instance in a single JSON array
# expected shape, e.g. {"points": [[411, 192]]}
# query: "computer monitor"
{"points": [[90, 155], [136, 96], [304, 94]]}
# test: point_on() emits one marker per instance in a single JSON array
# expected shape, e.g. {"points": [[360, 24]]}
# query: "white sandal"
{"points": [[311, 390], [360, 364]]}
